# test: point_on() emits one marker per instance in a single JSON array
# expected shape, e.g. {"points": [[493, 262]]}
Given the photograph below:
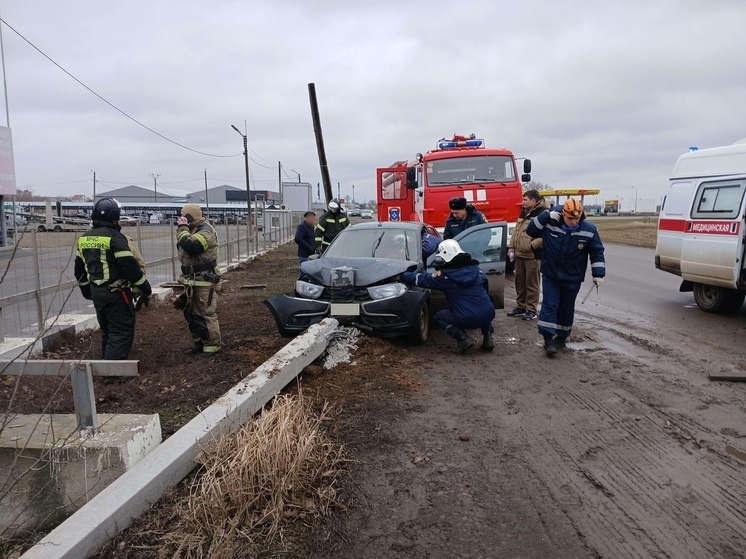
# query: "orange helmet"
{"points": [[572, 209]]}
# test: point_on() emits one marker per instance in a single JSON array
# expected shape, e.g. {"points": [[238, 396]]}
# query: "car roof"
{"points": [[407, 225]]}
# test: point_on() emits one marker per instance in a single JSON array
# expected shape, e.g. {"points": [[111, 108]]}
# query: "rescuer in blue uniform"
{"points": [[464, 285], [569, 242], [462, 217]]}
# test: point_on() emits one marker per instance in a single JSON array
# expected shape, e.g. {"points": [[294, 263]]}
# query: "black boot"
{"points": [[487, 343], [196, 348], [550, 346], [464, 342]]}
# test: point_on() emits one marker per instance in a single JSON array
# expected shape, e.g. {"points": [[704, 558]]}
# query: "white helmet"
{"points": [[447, 251], [333, 205]]}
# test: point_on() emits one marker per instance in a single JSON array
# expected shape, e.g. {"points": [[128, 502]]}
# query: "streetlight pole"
{"points": [[353, 193], [155, 186], [249, 225], [635, 198]]}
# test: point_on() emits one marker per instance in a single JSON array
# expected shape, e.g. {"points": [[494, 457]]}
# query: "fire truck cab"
{"points": [[701, 227], [420, 190]]}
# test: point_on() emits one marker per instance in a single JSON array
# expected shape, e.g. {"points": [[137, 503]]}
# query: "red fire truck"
{"points": [[419, 190]]}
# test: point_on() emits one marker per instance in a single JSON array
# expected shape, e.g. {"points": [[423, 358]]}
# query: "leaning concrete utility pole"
{"points": [[320, 143]]}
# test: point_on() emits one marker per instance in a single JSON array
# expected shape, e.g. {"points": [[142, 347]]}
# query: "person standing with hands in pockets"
{"points": [[526, 251], [570, 240]]}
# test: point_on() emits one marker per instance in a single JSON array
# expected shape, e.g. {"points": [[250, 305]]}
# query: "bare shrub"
{"points": [[278, 467]]}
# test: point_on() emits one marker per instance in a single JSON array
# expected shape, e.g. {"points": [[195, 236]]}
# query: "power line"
{"points": [[133, 119]]}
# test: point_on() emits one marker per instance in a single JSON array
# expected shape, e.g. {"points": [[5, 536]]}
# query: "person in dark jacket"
{"points": [[109, 274], [569, 242], [305, 237], [430, 244], [462, 217], [464, 285], [330, 224]]}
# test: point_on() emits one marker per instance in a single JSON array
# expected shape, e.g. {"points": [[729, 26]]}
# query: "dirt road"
{"points": [[619, 448]]}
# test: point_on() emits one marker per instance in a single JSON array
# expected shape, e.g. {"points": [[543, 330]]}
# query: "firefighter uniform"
{"points": [[197, 242], [107, 272], [330, 225]]}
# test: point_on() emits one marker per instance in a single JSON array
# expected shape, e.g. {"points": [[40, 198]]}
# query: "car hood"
{"points": [[368, 270]]}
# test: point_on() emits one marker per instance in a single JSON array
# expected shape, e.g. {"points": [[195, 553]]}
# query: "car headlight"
{"points": [[310, 290], [386, 291]]}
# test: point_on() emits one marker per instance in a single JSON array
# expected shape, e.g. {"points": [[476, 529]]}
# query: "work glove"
{"points": [[180, 303], [85, 290], [511, 254], [555, 215], [597, 282], [142, 302], [146, 289]]}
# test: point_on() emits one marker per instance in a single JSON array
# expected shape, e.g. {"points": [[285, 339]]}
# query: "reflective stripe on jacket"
{"points": [[104, 256], [566, 253], [329, 226], [198, 244]]}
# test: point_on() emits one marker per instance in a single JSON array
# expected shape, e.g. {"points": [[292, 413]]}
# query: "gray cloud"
{"points": [[599, 95]]}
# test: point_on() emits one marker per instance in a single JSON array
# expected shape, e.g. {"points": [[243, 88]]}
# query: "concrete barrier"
{"points": [[133, 493]]}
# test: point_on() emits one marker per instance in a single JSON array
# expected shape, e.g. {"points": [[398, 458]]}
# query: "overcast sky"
{"points": [[598, 94]]}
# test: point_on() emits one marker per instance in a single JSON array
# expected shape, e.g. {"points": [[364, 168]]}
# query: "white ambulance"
{"points": [[701, 227]]}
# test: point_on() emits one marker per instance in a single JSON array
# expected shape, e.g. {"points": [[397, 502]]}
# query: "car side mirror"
{"points": [[314, 257], [526, 177], [411, 178], [526, 165]]}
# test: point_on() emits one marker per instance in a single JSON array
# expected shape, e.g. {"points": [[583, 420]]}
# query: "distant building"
{"points": [[138, 194], [238, 196], [217, 195]]}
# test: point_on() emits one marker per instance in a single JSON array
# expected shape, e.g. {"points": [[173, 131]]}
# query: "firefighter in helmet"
{"points": [[197, 242], [109, 274], [330, 225]]}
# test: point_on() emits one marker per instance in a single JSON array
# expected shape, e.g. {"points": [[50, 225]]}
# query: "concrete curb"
{"points": [[133, 493]]}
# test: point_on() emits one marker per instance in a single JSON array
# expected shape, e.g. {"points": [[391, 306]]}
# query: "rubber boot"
{"points": [[487, 343], [550, 346], [464, 342], [561, 343], [196, 348]]}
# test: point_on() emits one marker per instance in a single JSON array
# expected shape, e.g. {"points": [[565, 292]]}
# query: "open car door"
{"points": [[488, 243]]}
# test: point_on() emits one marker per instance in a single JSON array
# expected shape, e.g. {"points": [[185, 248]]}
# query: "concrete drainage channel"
{"points": [[139, 488]]}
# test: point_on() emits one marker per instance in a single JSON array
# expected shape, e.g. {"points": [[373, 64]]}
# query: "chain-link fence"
{"points": [[37, 281]]}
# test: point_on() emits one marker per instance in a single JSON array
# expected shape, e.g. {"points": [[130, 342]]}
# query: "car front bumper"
{"points": [[396, 316]]}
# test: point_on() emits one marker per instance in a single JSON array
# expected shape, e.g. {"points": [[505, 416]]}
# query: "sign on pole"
{"points": [[7, 165]]}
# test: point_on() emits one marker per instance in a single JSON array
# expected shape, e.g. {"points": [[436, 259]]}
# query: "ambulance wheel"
{"points": [[419, 335], [714, 299]]}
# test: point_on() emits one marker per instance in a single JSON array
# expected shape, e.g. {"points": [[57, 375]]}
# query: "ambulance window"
{"points": [[718, 201], [678, 198]]}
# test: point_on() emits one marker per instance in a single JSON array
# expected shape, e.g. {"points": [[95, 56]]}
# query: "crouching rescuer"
{"points": [[111, 273], [197, 242], [465, 287]]}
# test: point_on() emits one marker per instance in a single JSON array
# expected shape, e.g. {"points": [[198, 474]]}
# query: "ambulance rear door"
{"points": [[713, 241]]}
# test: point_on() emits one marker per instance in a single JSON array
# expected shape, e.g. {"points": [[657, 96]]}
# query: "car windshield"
{"points": [[476, 169], [396, 244]]}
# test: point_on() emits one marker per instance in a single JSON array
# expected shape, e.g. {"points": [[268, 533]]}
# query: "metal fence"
{"points": [[37, 281]]}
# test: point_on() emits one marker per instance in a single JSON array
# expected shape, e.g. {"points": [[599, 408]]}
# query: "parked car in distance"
{"points": [[127, 221], [355, 212], [354, 280], [366, 214]]}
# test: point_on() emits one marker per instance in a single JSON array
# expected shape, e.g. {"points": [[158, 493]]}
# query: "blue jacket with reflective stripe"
{"points": [[566, 254]]}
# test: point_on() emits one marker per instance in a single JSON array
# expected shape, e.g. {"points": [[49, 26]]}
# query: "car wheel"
{"points": [[57, 229], [41, 229], [714, 299], [419, 335]]}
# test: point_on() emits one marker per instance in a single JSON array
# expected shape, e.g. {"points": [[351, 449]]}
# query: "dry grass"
{"points": [[640, 231], [279, 467]]}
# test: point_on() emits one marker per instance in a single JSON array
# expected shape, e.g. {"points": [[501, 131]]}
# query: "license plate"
{"points": [[345, 309]]}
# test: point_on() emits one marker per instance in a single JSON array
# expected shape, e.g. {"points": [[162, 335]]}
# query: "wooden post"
{"points": [[325, 178], [173, 258]]}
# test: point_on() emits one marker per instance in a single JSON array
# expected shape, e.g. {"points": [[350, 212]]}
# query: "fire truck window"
{"points": [[459, 170], [718, 201], [394, 186]]}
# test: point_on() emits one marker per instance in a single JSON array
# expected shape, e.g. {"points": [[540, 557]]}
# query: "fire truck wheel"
{"points": [[714, 299], [419, 335]]}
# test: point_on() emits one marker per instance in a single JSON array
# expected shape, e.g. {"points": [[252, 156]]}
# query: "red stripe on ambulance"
{"points": [[700, 227]]}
